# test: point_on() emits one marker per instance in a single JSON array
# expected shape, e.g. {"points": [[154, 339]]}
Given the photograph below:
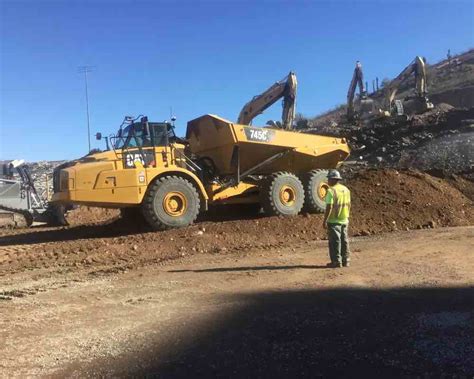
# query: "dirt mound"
{"points": [[88, 215], [383, 200], [387, 200], [440, 139]]}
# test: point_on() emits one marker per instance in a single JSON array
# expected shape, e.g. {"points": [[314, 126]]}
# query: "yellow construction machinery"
{"points": [[418, 103], [151, 173], [363, 106], [286, 89]]}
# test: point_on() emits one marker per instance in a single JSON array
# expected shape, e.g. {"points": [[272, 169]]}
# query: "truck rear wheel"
{"points": [[315, 188], [282, 195], [170, 202]]}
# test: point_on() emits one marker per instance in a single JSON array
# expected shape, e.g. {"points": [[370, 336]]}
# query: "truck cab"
{"points": [[119, 177], [140, 141]]}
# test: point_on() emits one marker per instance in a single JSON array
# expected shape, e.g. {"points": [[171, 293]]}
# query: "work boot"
{"points": [[334, 265], [346, 264]]}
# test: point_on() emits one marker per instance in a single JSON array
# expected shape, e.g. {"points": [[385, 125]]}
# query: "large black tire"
{"points": [[170, 202], [315, 189], [282, 194]]}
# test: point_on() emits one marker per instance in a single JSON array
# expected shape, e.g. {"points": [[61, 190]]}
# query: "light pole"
{"points": [[85, 70]]}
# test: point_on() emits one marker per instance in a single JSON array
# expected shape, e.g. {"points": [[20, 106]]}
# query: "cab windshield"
{"points": [[136, 135]]}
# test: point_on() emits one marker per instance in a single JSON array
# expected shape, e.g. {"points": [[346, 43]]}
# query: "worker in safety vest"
{"points": [[336, 220]]}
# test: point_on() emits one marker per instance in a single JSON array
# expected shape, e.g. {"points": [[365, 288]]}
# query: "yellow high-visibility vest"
{"points": [[339, 197]]}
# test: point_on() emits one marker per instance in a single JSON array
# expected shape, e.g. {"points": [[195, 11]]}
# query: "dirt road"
{"points": [[406, 306]]}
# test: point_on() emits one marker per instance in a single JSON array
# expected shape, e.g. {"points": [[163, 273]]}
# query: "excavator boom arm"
{"points": [[285, 88], [357, 80], [418, 67]]}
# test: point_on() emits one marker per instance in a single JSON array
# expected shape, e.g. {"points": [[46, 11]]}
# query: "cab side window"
{"points": [[159, 134], [139, 138]]}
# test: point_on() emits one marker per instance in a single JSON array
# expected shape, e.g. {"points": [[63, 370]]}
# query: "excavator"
{"points": [[286, 89], [364, 104], [418, 103]]}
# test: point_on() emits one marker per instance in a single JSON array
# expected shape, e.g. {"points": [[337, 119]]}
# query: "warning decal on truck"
{"points": [[259, 134]]}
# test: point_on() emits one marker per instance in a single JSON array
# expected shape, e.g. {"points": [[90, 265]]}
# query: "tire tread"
{"points": [[148, 202]]}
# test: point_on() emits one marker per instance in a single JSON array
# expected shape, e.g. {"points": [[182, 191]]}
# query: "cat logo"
{"points": [[134, 160]]}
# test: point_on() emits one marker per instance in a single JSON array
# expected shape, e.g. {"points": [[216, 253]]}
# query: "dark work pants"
{"points": [[338, 243]]}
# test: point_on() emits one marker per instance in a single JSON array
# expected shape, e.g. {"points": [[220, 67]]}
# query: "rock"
{"points": [[430, 224], [135, 247]]}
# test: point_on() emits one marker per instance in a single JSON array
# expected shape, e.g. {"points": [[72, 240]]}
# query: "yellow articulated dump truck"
{"points": [[151, 173]]}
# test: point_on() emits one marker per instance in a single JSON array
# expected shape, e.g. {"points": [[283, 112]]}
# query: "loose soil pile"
{"points": [[441, 139], [90, 215], [386, 200], [383, 200]]}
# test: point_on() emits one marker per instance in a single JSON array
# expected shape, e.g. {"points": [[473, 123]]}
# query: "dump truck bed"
{"points": [[231, 145]]}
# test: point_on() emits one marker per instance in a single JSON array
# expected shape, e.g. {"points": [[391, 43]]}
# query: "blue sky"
{"points": [[198, 57]]}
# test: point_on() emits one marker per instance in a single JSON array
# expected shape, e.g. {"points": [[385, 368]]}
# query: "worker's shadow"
{"points": [[253, 268]]}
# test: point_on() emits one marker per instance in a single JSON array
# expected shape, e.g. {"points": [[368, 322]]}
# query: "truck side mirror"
{"points": [[98, 136]]}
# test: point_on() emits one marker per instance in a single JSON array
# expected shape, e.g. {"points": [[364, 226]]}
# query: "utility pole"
{"points": [[85, 70]]}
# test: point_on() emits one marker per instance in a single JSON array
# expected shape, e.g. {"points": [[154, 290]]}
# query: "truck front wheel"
{"points": [[316, 187], [282, 195], [170, 202]]}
